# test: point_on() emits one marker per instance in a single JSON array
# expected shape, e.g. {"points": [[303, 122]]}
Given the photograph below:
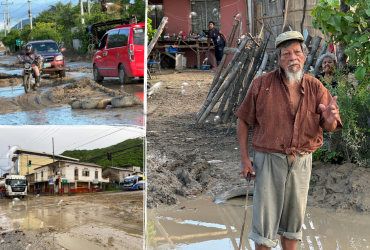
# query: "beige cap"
{"points": [[289, 35]]}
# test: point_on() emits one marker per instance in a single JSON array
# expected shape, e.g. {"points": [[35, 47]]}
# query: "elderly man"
{"points": [[287, 110]]}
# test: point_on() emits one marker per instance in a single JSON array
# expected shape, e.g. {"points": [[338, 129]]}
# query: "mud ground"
{"points": [[191, 159], [103, 221]]}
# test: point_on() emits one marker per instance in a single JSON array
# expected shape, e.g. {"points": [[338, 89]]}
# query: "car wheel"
{"points": [[62, 73], [123, 78], [97, 76]]}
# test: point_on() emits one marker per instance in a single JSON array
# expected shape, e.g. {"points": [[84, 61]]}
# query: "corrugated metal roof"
{"points": [[73, 162], [31, 152]]}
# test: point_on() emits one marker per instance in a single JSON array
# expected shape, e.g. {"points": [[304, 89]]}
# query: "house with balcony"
{"points": [[64, 177]]}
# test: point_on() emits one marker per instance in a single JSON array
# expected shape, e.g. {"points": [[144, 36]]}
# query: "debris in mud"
{"points": [[181, 175], [342, 187], [86, 94]]}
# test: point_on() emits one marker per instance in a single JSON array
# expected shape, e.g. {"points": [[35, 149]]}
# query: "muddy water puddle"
{"points": [[201, 224], [69, 225], [67, 116]]}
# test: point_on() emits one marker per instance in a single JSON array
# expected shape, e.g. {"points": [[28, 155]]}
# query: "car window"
{"points": [[112, 39], [103, 41], [139, 36], [45, 47], [123, 37]]}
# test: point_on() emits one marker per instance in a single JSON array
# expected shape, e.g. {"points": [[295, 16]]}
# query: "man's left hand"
{"points": [[330, 113]]}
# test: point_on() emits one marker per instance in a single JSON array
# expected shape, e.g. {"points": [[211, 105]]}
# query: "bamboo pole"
{"points": [[157, 34], [310, 57], [318, 64], [308, 40], [250, 77], [226, 96], [263, 65], [223, 60], [221, 91], [215, 88], [239, 84]]}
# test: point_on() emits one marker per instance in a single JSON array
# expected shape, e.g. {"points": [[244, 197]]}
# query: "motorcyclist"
{"points": [[29, 55]]}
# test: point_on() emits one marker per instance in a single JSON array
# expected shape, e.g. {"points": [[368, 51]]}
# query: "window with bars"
{"points": [[96, 175], [85, 173], [202, 12], [155, 14], [76, 172]]}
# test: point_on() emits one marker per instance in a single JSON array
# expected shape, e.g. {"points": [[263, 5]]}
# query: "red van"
{"points": [[120, 53]]}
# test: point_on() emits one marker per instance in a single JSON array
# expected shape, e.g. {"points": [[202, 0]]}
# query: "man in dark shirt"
{"points": [[219, 41], [287, 110]]}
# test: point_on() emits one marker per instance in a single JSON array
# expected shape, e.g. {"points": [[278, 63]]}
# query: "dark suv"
{"points": [[54, 61]]}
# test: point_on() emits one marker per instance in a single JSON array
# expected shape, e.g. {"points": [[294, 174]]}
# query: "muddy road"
{"points": [[201, 224], [39, 107], [83, 222]]}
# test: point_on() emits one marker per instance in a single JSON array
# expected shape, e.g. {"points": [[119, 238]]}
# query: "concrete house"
{"points": [[69, 177], [116, 175]]}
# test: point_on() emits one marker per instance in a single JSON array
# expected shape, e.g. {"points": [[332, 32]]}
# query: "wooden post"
{"points": [[285, 14], [308, 40], [215, 88], [198, 57], [157, 34], [310, 57], [223, 60], [239, 84], [318, 64]]}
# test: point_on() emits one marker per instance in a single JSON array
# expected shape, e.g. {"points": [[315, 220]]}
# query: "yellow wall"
{"points": [[36, 161]]}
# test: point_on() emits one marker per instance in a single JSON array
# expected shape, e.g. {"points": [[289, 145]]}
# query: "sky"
{"points": [[39, 138], [19, 9]]}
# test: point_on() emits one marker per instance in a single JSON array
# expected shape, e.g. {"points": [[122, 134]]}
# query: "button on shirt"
{"points": [[276, 128]]}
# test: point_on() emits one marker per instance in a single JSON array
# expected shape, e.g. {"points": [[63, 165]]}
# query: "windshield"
{"points": [[17, 182], [45, 47], [139, 36]]}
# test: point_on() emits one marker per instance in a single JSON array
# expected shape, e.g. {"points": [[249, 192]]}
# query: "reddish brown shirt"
{"points": [[276, 128]]}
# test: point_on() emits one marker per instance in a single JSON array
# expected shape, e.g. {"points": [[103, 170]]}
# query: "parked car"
{"points": [[54, 61], [120, 53]]}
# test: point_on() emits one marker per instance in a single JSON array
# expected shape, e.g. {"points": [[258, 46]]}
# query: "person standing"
{"points": [[288, 110], [218, 39], [1, 192]]}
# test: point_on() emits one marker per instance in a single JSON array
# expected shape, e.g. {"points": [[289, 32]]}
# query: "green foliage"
{"points": [[150, 31], [45, 31], [131, 150], [352, 28], [10, 39], [328, 156], [354, 107]]}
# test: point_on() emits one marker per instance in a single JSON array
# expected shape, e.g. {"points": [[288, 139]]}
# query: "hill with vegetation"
{"points": [[129, 152]]}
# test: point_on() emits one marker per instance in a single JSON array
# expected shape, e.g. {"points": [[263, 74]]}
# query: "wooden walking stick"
{"points": [[245, 209]]}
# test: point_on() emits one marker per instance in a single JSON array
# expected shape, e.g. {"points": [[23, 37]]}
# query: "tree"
{"points": [[351, 28], [11, 37]]}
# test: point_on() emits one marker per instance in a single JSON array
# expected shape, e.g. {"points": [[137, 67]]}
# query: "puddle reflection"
{"points": [[201, 224]]}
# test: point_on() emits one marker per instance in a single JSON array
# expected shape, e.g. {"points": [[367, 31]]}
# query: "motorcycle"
{"points": [[29, 73]]}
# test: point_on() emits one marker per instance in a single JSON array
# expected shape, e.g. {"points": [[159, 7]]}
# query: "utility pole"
{"points": [[82, 12], [88, 7], [30, 13], [21, 24], [7, 10], [4, 24]]}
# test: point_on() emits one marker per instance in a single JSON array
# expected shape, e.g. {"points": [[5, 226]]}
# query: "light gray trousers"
{"points": [[280, 196]]}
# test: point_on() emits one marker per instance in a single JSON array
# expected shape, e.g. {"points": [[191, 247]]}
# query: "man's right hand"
{"points": [[247, 167]]}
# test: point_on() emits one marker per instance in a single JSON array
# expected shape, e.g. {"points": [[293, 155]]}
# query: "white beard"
{"points": [[295, 76]]}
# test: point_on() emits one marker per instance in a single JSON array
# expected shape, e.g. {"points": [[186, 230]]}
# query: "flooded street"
{"points": [[104, 221], [38, 107], [202, 224]]}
